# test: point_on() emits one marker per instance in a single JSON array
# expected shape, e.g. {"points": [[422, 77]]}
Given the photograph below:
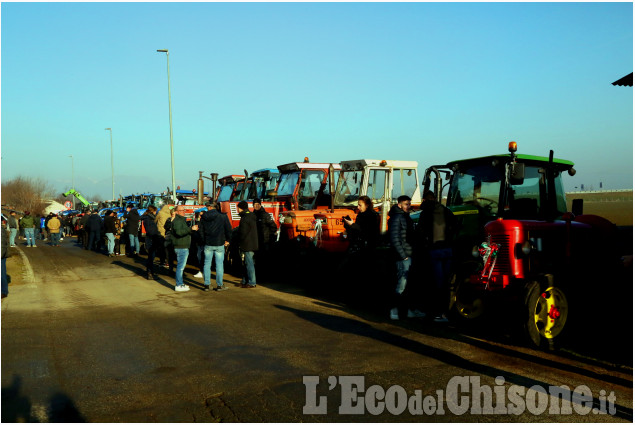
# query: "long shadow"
{"points": [[15, 406], [141, 272], [345, 325], [449, 332], [63, 410]]}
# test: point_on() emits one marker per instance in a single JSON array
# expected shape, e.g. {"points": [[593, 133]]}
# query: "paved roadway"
{"points": [[87, 338]]}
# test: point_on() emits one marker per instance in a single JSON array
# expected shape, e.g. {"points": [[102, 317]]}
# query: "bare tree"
{"points": [[27, 194]]}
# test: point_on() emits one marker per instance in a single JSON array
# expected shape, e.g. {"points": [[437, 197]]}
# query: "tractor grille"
{"points": [[502, 260]]}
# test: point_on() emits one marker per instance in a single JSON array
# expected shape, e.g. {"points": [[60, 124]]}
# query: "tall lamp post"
{"points": [[167, 55], [112, 164], [73, 178]]}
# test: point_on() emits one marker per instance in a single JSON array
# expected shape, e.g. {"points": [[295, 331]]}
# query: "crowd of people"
{"points": [[420, 253]]}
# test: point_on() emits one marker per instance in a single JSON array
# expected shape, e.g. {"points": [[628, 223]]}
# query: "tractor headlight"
{"points": [[475, 252], [526, 248], [288, 220]]}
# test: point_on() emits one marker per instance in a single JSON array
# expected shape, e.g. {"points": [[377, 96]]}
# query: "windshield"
{"points": [[225, 192], [262, 185], [244, 194], [310, 187], [348, 188], [288, 182], [480, 186]]}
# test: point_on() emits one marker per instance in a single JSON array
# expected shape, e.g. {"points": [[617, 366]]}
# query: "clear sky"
{"points": [[256, 85]]}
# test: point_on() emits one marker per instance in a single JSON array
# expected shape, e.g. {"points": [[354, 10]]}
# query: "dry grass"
{"points": [[614, 206]]}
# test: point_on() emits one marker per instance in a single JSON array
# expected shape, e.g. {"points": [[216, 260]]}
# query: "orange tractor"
{"points": [[303, 189]]}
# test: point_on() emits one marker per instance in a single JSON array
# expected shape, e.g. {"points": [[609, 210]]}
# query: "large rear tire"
{"points": [[547, 309]]}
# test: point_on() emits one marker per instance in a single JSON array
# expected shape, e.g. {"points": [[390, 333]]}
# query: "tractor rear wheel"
{"points": [[547, 310], [467, 302]]}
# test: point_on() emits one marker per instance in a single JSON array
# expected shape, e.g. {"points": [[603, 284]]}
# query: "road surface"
{"points": [[87, 338]]}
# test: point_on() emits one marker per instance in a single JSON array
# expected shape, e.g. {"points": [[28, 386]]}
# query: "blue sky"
{"points": [[257, 85]]}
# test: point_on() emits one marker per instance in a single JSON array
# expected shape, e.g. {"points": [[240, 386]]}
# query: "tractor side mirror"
{"points": [[577, 206], [518, 176]]}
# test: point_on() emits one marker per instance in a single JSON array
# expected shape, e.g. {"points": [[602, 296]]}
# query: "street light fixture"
{"points": [[167, 55], [112, 164]]}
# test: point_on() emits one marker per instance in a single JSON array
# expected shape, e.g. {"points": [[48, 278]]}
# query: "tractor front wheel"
{"points": [[547, 310]]}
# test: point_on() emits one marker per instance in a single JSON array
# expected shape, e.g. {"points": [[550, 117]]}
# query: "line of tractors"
{"points": [[518, 252]]}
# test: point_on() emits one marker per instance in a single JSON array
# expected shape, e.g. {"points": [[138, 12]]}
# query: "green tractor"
{"points": [[518, 251]]}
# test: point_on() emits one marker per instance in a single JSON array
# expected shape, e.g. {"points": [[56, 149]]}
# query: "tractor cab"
{"points": [[263, 182], [506, 186], [228, 187], [383, 181], [303, 188], [247, 189]]}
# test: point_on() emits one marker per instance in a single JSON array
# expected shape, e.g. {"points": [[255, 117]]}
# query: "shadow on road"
{"points": [[18, 408], [351, 326]]}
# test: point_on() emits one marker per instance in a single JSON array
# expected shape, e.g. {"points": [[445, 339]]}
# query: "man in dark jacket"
{"points": [[94, 226], [152, 239], [216, 232], [132, 227], [434, 236], [180, 234], [248, 242], [266, 237], [83, 232], [110, 228], [401, 231]]}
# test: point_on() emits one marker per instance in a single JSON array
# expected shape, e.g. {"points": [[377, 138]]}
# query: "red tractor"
{"points": [[539, 262]]}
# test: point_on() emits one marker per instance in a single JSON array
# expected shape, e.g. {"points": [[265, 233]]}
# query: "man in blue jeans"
{"points": [[248, 237], [215, 231], [401, 230], [181, 239]]}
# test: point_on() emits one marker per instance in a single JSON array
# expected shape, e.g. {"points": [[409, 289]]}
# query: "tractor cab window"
{"points": [[377, 185], [237, 189], [243, 195], [287, 184], [309, 187], [261, 186], [225, 193], [477, 186], [348, 188], [529, 199], [404, 182]]}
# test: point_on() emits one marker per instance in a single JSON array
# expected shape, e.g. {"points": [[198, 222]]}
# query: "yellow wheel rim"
{"points": [[550, 312]]}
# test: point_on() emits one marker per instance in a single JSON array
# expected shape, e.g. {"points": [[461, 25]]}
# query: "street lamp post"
{"points": [[112, 164], [167, 55], [73, 177]]}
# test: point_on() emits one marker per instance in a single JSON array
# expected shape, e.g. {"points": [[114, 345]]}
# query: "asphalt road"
{"points": [[88, 338]]}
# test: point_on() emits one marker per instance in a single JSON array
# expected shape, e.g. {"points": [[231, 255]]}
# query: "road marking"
{"points": [[28, 274]]}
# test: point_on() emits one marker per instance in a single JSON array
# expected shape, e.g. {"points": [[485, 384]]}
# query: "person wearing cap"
{"points": [[53, 227], [248, 243], [266, 233], [27, 222], [216, 232]]}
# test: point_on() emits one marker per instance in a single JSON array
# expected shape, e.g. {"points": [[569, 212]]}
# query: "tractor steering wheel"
{"points": [[491, 203]]}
